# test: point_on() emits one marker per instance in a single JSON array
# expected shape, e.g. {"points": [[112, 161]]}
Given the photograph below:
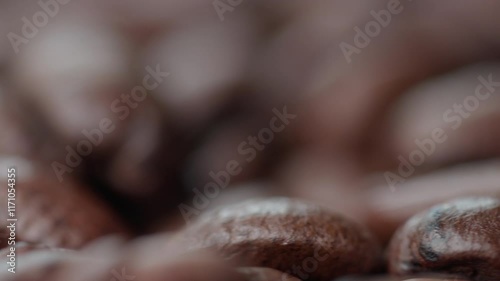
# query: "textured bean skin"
{"points": [[460, 237], [56, 214], [293, 237]]}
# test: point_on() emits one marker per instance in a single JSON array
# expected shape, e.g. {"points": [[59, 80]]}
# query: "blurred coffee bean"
{"points": [[143, 20], [331, 182], [457, 237], [105, 266], [205, 200], [350, 112], [64, 265], [230, 154], [138, 165], [153, 245], [14, 139], [57, 214], [143, 171], [288, 63], [286, 235], [68, 96], [387, 210], [107, 133], [462, 105], [243, 192], [195, 267], [205, 59], [73, 73]]}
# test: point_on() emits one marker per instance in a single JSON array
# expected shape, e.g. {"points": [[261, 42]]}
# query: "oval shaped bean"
{"points": [[57, 214], [460, 237], [293, 237]]}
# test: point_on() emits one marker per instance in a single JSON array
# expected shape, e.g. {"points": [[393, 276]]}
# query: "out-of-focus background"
{"points": [[166, 109]]}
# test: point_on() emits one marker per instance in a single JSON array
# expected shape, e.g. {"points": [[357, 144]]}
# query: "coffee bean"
{"points": [[78, 97], [57, 214], [459, 123], [460, 237], [387, 211], [205, 84], [293, 237]]}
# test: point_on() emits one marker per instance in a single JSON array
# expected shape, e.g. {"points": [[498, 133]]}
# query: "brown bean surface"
{"points": [[57, 214], [294, 237], [459, 237]]}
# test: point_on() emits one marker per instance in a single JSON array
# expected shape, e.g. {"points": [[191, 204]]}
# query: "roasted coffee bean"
{"points": [[460, 237], [293, 237], [57, 214], [386, 211]]}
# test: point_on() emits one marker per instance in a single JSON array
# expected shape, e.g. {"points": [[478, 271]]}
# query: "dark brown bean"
{"points": [[459, 237], [293, 237], [57, 214]]}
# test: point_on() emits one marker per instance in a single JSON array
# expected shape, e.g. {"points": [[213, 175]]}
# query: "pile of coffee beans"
{"points": [[188, 140]]}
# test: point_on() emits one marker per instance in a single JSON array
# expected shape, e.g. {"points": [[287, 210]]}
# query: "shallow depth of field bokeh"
{"points": [[163, 110]]}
